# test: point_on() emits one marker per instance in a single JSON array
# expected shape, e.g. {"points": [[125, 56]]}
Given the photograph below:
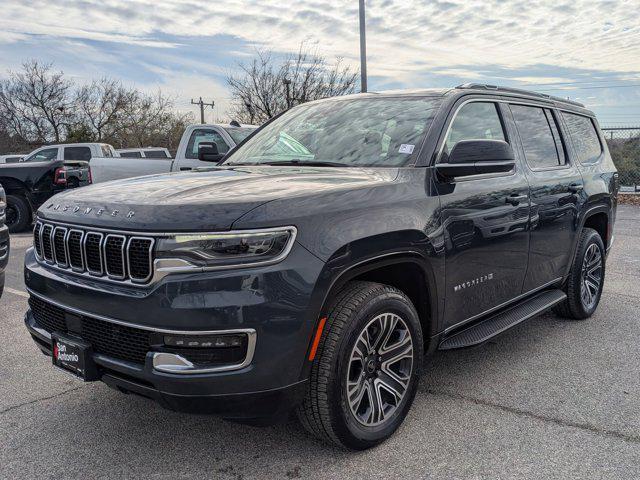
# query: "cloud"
{"points": [[409, 41]]}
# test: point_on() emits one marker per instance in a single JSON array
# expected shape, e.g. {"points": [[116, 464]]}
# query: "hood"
{"points": [[199, 200]]}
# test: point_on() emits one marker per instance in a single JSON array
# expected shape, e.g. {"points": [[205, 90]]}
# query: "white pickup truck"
{"points": [[225, 137]]}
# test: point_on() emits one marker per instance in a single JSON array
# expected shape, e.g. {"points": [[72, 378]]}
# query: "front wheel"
{"points": [[586, 278], [366, 371]]}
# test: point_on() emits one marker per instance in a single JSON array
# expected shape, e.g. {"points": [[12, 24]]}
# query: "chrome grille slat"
{"points": [[100, 254], [93, 243], [60, 247], [47, 243]]}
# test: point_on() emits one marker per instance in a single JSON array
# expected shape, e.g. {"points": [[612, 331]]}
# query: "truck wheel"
{"points": [[367, 367], [586, 278], [18, 213]]}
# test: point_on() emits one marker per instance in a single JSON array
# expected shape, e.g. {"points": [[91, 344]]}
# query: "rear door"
{"points": [[485, 220], [556, 187]]}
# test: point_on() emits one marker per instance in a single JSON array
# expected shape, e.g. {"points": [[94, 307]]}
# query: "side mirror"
{"points": [[475, 157], [208, 152]]}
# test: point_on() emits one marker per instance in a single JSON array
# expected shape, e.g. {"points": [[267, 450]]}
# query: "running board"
{"points": [[492, 326]]}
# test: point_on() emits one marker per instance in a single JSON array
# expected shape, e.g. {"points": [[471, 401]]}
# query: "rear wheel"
{"points": [[18, 213], [586, 278], [366, 371]]}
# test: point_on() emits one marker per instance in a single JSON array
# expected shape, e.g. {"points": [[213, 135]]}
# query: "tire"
{"points": [[583, 297], [18, 213], [325, 411]]}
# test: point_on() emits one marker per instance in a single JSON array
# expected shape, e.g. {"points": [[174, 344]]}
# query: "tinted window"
{"points": [[383, 132], [45, 155], [155, 154], [12, 159], [537, 134], [200, 135], [584, 137], [239, 134], [77, 153], [131, 154], [475, 121]]}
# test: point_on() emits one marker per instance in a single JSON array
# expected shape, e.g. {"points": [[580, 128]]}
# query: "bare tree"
{"points": [[267, 86], [147, 119], [99, 105], [36, 102]]}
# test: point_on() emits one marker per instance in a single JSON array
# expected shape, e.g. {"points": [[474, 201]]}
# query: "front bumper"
{"points": [[273, 301]]}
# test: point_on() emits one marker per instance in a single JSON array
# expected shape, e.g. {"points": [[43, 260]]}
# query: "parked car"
{"points": [[147, 152], [71, 151], [30, 183], [4, 239], [330, 253], [11, 158], [224, 137]]}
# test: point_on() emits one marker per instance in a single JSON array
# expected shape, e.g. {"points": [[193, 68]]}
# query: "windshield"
{"points": [[384, 132], [239, 134]]}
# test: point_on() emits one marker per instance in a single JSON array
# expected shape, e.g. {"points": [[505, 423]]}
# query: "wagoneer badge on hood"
{"points": [[87, 210]]}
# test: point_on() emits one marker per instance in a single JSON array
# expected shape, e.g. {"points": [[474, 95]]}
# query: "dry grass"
{"points": [[629, 199]]}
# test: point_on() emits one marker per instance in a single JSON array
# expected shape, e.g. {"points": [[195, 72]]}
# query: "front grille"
{"points": [[112, 255], [140, 258], [125, 343], [60, 247], [47, 250], [37, 244]]}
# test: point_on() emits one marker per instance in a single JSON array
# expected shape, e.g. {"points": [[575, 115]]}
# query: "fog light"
{"points": [[204, 341]]}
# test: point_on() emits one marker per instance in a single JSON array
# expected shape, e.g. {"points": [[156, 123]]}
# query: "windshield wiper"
{"points": [[300, 163]]}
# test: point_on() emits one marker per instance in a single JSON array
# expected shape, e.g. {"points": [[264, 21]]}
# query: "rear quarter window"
{"points": [[584, 137], [131, 154], [155, 154], [77, 153]]}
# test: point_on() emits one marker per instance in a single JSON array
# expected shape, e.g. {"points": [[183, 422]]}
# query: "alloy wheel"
{"points": [[380, 368], [591, 278]]}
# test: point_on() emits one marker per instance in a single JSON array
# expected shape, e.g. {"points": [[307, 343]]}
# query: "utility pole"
{"points": [[363, 50], [287, 86], [202, 105]]}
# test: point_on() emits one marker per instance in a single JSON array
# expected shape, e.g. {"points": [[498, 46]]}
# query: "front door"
{"points": [[485, 220], [556, 185], [199, 135]]}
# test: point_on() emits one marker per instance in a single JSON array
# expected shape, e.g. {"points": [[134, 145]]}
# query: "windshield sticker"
{"points": [[406, 148]]}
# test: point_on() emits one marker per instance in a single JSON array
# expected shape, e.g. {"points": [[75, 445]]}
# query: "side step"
{"points": [[492, 326]]}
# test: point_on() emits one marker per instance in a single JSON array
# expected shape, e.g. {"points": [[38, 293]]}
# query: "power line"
{"points": [[202, 104]]}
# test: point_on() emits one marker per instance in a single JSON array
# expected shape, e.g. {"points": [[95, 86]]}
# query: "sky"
{"points": [[586, 50]]}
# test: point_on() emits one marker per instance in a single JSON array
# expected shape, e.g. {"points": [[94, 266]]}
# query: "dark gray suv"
{"points": [[329, 254]]}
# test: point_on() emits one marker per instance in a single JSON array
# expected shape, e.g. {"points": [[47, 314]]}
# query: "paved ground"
{"points": [[549, 399]]}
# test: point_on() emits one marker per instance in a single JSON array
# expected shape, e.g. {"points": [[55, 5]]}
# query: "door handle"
{"points": [[576, 187], [515, 199], [184, 169]]}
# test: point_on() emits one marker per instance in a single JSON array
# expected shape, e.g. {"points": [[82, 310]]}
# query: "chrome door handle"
{"points": [[515, 199]]}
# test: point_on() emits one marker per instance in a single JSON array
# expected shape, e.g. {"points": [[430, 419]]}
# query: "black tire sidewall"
{"points": [[350, 432], [591, 237], [23, 212]]}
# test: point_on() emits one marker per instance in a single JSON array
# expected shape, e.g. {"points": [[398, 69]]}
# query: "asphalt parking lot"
{"points": [[549, 399]]}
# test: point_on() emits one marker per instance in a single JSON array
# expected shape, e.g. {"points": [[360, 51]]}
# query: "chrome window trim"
{"points": [[81, 241], [150, 253], [122, 251], [95, 273], [250, 332], [64, 246]]}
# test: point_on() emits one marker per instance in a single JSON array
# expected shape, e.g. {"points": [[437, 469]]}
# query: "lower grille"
{"points": [[125, 343]]}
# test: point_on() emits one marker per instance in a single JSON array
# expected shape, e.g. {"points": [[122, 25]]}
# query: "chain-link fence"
{"points": [[624, 145]]}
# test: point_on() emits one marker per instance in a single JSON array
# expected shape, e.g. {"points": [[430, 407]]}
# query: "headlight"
{"points": [[232, 249]]}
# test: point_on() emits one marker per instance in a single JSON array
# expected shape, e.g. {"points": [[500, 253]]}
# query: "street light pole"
{"points": [[363, 50]]}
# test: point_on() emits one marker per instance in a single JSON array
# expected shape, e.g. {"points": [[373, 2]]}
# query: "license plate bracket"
{"points": [[74, 355]]}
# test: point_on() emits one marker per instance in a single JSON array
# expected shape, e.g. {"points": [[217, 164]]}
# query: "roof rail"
{"points": [[484, 86]]}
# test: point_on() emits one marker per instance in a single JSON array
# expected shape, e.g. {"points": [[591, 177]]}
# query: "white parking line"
{"points": [[16, 292]]}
